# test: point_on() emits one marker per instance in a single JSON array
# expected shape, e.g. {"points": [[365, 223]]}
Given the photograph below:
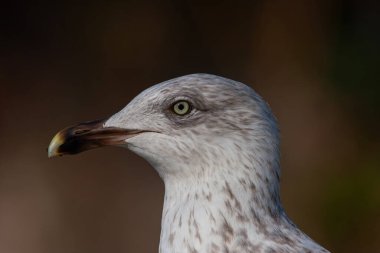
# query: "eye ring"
{"points": [[181, 107]]}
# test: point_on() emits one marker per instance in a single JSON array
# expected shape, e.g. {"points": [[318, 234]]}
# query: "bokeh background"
{"points": [[315, 62]]}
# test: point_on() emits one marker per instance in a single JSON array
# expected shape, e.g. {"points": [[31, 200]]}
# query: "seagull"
{"points": [[215, 144]]}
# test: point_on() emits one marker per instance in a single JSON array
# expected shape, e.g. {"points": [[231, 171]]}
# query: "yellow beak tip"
{"points": [[54, 145]]}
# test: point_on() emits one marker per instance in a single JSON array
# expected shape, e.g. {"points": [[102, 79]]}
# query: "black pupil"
{"points": [[181, 106]]}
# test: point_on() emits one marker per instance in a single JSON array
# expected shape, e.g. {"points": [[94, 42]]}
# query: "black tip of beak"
{"points": [[75, 139]]}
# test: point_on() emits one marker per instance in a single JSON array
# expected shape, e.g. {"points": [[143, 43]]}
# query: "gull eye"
{"points": [[181, 108]]}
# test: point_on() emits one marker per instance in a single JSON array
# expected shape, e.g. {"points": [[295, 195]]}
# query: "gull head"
{"points": [[215, 143], [198, 124]]}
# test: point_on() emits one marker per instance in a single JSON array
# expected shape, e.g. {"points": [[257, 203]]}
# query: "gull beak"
{"points": [[86, 136]]}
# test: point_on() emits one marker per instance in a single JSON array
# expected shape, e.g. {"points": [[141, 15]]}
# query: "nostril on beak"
{"points": [[80, 131]]}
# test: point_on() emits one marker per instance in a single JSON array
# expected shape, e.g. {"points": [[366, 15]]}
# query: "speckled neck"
{"points": [[213, 214], [229, 213]]}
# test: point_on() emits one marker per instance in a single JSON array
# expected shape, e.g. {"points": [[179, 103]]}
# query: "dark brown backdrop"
{"points": [[315, 62]]}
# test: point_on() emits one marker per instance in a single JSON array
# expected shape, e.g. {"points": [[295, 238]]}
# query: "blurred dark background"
{"points": [[315, 62]]}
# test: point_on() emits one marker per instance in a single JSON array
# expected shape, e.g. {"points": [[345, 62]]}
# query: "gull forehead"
{"points": [[213, 89]]}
